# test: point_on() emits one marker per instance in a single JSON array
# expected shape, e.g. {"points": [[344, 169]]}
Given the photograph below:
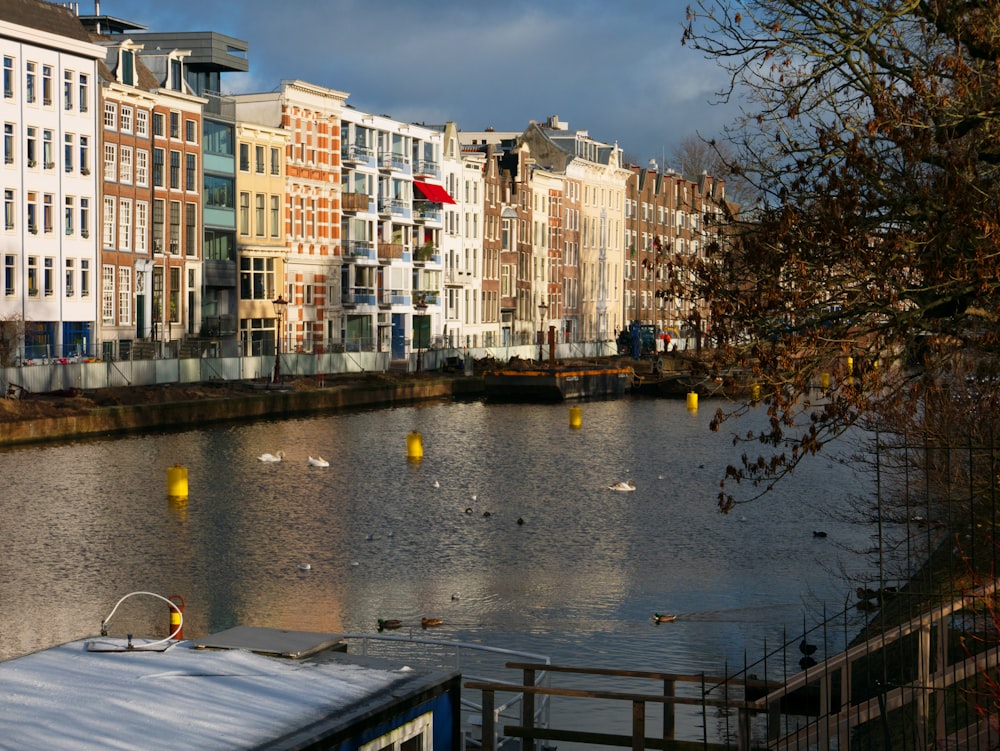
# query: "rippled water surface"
{"points": [[85, 523]]}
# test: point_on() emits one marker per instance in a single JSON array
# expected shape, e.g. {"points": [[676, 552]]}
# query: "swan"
{"points": [[318, 461], [305, 567], [437, 484], [624, 486], [272, 457]]}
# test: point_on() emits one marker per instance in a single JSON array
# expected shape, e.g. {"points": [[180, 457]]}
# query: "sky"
{"points": [[617, 70]]}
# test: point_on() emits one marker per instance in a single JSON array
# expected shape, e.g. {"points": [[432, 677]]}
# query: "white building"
{"points": [[48, 241]]}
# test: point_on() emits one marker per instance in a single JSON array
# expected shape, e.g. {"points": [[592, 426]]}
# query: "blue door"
{"points": [[398, 336]]}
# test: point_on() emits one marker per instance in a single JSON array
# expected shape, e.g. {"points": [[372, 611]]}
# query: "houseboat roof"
{"points": [[291, 690]]}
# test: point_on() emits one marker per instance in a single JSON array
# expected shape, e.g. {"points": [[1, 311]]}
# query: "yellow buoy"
{"points": [[414, 446], [177, 481], [755, 392], [824, 380], [575, 417], [850, 366], [692, 401]]}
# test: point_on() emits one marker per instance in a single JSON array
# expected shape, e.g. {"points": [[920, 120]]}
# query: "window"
{"points": [[110, 115], [8, 209], [275, 161], [9, 274], [259, 159], [108, 294], [48, 150], [68, 149], [8, 143], [219, 192], [110, 162], [84, 277], [175, 294], [48, 213], [85, 217], [141, 167], [8, 78], [259, 225], [275, 215], [142, 123], [33, 276], [109, 221], [244, 157], [244, 213], [125, 164], [125, 224], [49, 275], [70, 273], [47, 85], [191, 131], [67, 89], [175, 124], [158, 167], [190, 172], [175, 169], [176, 76], [84, 92], [69, 219], [84, 155], [126, 119], [175, 226], [157, 123], [124, 295], [191, 228], [159, 221], [31, 151], [29, 83], [141, 226], [127, 71], [256, 278]]}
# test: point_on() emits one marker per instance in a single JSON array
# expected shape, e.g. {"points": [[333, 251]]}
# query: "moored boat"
{"points": [[557, 383]]}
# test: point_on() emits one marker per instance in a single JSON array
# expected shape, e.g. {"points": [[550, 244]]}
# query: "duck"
{"points": [[806, 648], [624, 486], [389, 624], [431, 622], [819, 533], [664, 617], [318, 461], [272, 457]]}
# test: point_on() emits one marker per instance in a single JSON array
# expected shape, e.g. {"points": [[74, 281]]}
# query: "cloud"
{"points": [[617, 70]]}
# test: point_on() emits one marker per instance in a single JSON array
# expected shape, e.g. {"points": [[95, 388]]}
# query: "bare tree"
{"points": [[874, 255]]}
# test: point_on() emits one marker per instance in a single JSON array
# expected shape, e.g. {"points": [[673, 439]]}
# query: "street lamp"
{"points": [[542, 310], [280, 306], [421, 306]]}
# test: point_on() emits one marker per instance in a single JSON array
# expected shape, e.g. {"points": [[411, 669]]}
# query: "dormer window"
{"points": [[126, 68], [176, 82]]}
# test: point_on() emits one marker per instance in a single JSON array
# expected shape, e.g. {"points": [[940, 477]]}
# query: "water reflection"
{"points": [[87, 522]]}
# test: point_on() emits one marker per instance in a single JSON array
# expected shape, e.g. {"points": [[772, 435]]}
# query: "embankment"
{"points": [[262, 404]]}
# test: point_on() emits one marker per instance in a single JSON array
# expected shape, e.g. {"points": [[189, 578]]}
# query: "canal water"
{"points": [[507, 531]]}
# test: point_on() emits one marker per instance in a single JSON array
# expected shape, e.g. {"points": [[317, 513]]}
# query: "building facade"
{"points": [[50, 187]]}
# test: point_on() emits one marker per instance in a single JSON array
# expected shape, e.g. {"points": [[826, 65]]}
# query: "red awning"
{"points": [[434, 193]]}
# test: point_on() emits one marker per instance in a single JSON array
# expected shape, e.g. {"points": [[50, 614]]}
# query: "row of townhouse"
{"points": [[147, 214]]}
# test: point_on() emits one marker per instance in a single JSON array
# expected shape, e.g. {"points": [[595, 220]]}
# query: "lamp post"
{"points": [[421, 306], [542, 310], [280, 305]]}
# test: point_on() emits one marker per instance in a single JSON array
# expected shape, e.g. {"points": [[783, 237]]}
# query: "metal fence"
{"points": [[63, 374]]}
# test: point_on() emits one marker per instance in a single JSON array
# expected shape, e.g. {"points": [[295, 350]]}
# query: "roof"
{"points": [[97, 693], [44, 16]]}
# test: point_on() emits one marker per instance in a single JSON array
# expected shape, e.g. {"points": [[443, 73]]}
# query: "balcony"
{"points": [[390, 251], [351, 202], [355, 154], [424, 168], [394, 207], [358, 296], [427, 212], [359, 250], [397, 162]]}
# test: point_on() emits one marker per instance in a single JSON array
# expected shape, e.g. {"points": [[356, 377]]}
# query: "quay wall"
{"points": [[274, 404]]}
